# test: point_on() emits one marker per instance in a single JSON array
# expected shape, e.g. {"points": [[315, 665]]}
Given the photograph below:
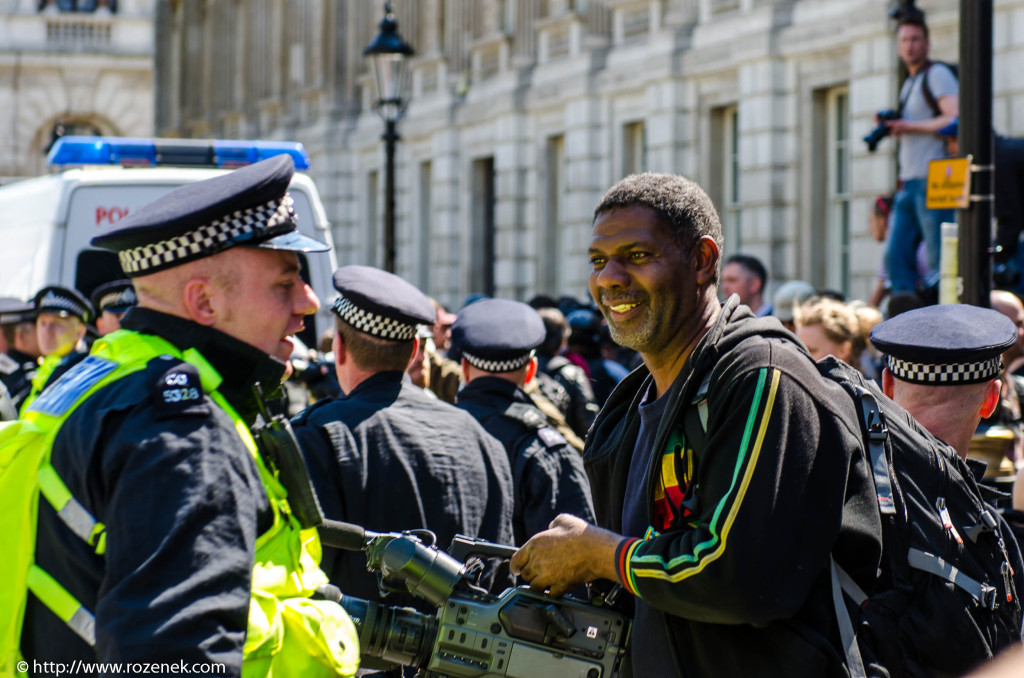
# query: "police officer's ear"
{"points": [[531, 370], [991, 401], [338, 348], [705, 257], [201, 301], [887, 383], [416, 341], [466, 367]]}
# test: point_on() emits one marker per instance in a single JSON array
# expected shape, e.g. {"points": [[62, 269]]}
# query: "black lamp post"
{"points": [[388, 52]]}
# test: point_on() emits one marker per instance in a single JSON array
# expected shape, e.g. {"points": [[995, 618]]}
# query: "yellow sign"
{"points": [[949, 184]]}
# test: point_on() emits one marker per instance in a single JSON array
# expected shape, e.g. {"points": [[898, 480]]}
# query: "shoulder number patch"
{"points": [[178, 391]]}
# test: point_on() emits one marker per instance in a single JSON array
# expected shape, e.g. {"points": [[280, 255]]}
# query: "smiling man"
{"points": [[176, 543], [719, 470]]}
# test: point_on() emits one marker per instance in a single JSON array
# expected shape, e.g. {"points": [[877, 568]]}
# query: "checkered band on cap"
{"points": [[52, 301], [497, 366], [250, 225], [950, 373], [125, 297], [373, 323], [14, 318]]}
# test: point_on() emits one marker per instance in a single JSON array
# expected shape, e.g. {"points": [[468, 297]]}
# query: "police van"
{"points": [[46, 223]]}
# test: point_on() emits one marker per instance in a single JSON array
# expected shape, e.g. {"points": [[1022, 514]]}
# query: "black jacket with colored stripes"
{"points": [[777, 484]]}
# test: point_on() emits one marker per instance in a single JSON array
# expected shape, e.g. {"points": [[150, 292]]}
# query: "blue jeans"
{"points": [[910, 223]]}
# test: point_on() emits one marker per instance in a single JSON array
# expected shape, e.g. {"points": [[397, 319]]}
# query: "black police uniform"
{"points": [[390, 457], [547, 471], [16, 368], [180, 496], [498, 336], [582, 406], [162, 466], [16, 372]]}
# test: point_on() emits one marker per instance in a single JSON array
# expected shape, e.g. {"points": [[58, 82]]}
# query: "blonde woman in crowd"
{"points": [[829, 327]]}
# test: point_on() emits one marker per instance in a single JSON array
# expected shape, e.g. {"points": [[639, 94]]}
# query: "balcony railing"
{"points": [[78, 33]]}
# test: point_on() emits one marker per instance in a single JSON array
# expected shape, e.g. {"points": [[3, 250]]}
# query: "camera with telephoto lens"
{"points": [[518, 634], [882, 130]]}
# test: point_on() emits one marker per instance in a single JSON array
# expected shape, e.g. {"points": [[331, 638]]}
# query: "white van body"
{"points": [[46, 224]]}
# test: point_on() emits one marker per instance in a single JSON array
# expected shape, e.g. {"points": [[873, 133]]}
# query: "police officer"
{"points": [[62, 319], [171, 502], [111, 301], [497, 338], [19, 362], [386, 455], [943, 364]]}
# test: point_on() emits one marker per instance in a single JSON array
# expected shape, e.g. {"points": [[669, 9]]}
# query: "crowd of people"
{"points": [[664, 435], [672, 434]]}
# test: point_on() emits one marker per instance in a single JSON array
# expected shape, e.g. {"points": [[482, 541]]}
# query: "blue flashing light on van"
{"points": [[143, 152]]}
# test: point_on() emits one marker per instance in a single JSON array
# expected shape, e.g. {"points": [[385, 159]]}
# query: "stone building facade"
{"points": [[83, 65], [524, 111]]}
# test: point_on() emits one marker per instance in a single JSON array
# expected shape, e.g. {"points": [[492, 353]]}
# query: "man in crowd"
{"points": [[62, 319], [111, 301], [746, 276], [18, 362], [929, 100], [496, 338], [943, 365], [722, 466], [168, 495], [385, 455], [581, 407]]}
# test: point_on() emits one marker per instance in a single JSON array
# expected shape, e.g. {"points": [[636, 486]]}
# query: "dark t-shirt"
{"points": [[651, 655]]}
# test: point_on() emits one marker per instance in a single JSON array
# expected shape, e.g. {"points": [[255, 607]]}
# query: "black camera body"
{"points": [[882, 130], [520, 633]]}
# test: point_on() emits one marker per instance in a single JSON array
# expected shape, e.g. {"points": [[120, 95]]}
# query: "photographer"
{"points": [[929, 100]]}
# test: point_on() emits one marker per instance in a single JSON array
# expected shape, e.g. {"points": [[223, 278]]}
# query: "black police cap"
{"points": [[945, 345], [117, 296], [14, 311], [498, 335], [380, 303], [64, 302], [249, 206]]}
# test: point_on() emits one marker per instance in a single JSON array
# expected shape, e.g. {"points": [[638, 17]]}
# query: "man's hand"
{"points": [[568, 553]]}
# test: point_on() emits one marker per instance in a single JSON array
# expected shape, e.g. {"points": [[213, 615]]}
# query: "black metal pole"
{"points": [[390, 138], [975, 137]]}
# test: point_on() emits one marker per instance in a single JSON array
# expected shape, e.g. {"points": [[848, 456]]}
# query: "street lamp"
{"points": [[388, 52]]}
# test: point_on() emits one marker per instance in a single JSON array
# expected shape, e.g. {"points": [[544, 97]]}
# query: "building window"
{"points": [[551, 235], [372, 224], [634, 148], [481, 268], [426, 209], [78, 5], [838, 178], [731, 205]]}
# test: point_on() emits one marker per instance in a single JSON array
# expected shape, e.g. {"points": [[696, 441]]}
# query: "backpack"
{"points": [[946, 598]]}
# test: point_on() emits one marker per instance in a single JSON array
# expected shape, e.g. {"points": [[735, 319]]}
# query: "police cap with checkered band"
{"points": [[117, 297], [498, 335], [63, 302], [14, 311], [380, 303], [247, 207], [945, 345]]}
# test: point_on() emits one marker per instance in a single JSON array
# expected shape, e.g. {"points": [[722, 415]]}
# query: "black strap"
{"points": [[877, 434]]}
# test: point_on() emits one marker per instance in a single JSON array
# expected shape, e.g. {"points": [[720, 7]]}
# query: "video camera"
{"points": [[518, 634], [882, 130]]}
